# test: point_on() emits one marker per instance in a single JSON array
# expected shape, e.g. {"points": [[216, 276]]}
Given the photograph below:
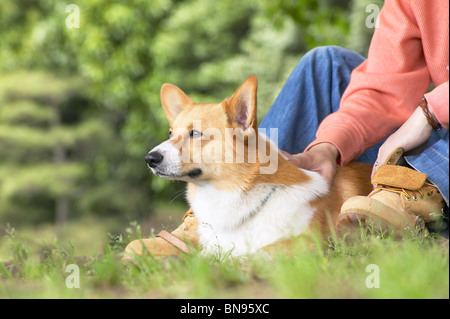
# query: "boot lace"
{"points": [[428, 188]]}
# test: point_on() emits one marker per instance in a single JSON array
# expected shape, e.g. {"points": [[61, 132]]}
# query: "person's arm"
{"points": [[384, 90]]}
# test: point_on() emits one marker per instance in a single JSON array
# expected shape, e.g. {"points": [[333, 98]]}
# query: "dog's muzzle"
{"points": [[164, 164]]}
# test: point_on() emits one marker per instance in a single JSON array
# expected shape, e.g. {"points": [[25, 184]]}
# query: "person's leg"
{"points": [[312, 91], [433, 161]]}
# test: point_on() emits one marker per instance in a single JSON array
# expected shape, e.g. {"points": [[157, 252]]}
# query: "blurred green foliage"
{"points": [[79, 107]]}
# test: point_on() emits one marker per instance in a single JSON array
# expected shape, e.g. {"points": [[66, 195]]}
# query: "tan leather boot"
{"points": [[164, 244], [401, 199]]}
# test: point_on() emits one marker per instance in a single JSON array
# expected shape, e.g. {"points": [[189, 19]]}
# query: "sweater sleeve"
{"points": [[384, 90], [438, 101]]}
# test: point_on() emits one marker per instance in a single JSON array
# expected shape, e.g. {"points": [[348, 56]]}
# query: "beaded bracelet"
{"points": [[434, 124]]}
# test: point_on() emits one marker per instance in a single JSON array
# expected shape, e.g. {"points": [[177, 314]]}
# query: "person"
{"points": [[337, 107]]}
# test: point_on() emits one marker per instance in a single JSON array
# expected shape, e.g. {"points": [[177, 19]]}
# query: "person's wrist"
{"points": [[328, 149]]}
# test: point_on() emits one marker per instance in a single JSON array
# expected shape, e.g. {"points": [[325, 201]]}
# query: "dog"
{"points": [[245, 199]]}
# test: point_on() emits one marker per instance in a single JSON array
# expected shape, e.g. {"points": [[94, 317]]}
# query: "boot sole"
{"points": [[362, 210]]}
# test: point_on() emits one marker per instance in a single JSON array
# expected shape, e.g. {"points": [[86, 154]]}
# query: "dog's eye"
{"points": [[195, 134], [170, 133]]}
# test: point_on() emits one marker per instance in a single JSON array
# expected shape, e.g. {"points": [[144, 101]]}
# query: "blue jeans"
{"points": [[314, 90]]}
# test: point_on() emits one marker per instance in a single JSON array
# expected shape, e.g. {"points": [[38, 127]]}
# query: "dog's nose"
{"points": [[153, 159]]}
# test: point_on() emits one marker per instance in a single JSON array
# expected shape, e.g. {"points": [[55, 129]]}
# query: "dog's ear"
{"points": [[173, 101], [241, 107]]}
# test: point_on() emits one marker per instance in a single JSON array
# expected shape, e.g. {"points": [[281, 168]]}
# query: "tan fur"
{"points": [[351, 180]]}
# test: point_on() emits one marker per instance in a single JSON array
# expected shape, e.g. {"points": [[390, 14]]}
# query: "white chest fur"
{"points": [[242, 222]]}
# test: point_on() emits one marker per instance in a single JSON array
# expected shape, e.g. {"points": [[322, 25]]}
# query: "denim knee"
{"points": [[332, 53]]}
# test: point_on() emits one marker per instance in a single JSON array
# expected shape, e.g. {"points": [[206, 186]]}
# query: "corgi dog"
{"points": [[244, 198]]}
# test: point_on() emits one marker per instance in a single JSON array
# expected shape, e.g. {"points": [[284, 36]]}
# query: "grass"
{"points": [[415, 267]]}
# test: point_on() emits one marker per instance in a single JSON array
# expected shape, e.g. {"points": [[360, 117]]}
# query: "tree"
{"points": [[37, 133], [54, 152]]}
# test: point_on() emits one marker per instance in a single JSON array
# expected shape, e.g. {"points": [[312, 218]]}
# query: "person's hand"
{"points": [[320, 158], [411, 136]]}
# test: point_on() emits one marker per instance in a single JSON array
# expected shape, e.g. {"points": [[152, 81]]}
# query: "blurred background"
{"points": [[79, 107]]}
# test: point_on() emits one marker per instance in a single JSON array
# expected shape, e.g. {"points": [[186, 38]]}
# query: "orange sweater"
{"points": [[409, 50]]}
